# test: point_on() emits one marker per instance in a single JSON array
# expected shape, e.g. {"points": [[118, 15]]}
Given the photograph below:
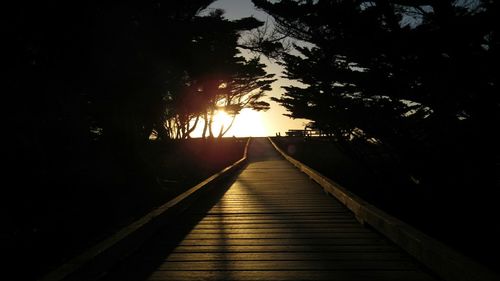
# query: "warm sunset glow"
{"points": [[221, 118], [247, 123]]}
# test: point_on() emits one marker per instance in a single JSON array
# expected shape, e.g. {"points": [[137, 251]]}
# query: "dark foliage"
{"points": [[418, 77], [85, 84]]}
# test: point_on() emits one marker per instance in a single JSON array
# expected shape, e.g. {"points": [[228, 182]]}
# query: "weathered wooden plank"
{"points": [[291, 212], [283, 204], [279, 195], [283, 216], [305, 222], [324, 217], [291, 201], [294, 256], [219, 230], [284, 252], [256, 219], [278, 241], [298, 222], [283, 248], [272, 209], [289, 265], [282, 236], [298, 216], [286, 223], [287, 202], [372, 275]]}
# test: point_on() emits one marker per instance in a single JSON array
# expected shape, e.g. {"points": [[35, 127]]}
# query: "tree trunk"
{"points": [[220, 131], [205, 125], [190, 130], [230, 125], [210, 123]]}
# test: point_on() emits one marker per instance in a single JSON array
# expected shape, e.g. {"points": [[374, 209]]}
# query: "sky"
{"points": [[251, 123]]}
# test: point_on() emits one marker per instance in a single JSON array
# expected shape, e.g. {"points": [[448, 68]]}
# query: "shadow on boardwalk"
{"points": [[269, 223]]}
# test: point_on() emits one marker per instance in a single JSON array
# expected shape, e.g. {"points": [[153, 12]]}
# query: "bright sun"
{"points": [[247, 123], [221, 118]]}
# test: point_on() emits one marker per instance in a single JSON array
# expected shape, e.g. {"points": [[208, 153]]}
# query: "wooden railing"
{"points": [[303, 133], [444, 261], [91, 263]]}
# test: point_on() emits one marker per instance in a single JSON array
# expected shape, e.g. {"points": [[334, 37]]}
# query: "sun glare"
{"points": [[221, 118], [247, 123]]}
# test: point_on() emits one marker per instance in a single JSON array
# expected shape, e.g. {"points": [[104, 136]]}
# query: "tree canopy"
{"points": [[118, 71], [433, 56], [419, 76], [88, 82]]}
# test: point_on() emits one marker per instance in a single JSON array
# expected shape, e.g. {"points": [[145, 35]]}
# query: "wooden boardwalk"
{"points": [[272, 223]]}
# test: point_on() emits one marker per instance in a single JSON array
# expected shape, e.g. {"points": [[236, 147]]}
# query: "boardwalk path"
{"points": [[273, 223]]}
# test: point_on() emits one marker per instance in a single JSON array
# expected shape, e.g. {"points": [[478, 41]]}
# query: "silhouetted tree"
{"points": [[243, 89], [396, 69], [216, 77], [418, 75], [85, 85], [87, 73]]}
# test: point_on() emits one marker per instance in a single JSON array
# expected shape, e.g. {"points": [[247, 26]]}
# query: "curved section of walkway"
{"points": [[272, 223]]}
